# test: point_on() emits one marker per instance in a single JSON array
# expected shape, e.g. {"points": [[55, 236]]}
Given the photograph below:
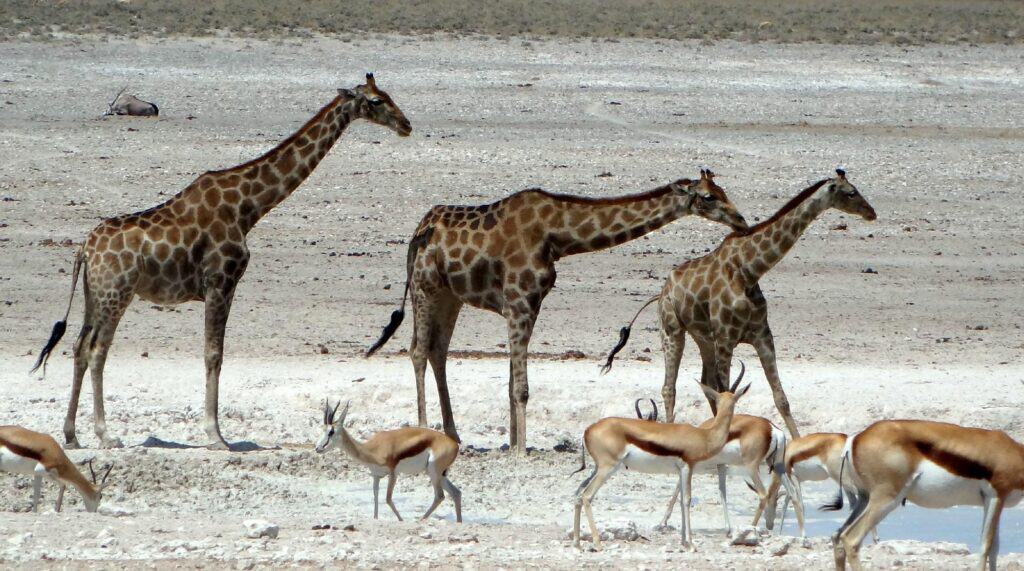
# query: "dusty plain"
{"points": [[932, 136]]}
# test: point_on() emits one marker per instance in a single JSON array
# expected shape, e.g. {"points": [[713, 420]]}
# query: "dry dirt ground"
{"points": [[932, 137]]}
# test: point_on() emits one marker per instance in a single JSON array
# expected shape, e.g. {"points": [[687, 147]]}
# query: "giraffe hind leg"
{"points": [[446, 315], [108, 314]]}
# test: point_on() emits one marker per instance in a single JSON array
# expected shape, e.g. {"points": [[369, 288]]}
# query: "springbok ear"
{"points": [[710, 392]]}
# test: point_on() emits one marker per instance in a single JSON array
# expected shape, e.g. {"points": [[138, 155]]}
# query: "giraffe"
{"points": [[501, 257], [193, 248], [717, 300]]}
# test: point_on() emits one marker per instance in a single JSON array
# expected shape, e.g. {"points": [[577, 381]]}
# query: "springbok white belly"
{"points": [[414, 464], [639, 460], [810, 470], [730, 455], [15, 464], [937, 488]]}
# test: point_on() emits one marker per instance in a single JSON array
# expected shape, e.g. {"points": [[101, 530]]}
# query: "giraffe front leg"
{"points": [[447, 313], [218, 307], [422, 340], [520, 329], [764, 344]]}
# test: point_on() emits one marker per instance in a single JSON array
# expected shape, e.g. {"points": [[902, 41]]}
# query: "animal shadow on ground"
{"points": [[242, 446]]}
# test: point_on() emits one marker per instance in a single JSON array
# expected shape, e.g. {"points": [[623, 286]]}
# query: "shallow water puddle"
{"points": [[955, 525]]}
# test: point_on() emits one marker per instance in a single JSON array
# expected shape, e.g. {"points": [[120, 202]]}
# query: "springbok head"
{"points": [[726, 400], [333, 425], [128, 104], [653, 416], [92, 504]]}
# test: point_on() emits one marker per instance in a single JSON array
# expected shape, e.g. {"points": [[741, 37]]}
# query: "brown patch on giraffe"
{"points": [[231, 196], [458, 283], [478, 239], [218, 231], [479, 274], [162, 251], [204, 216], [527, 280], [286, 162], [268, 177]]}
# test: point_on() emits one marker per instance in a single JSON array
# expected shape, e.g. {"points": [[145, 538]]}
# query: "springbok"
{"points": [[933, 465], [753, 443], [128, 104], [652, 447], [410, 450], [31, 453], [811, 458]]}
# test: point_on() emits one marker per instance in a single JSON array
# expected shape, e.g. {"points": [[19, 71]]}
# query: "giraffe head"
{"points": [[845, 197], [376, 106], [334, 423], [708, 200]]}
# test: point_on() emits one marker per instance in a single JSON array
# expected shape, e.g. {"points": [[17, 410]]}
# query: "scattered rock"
{"points": [[747, 536], [841, 226], [115, 511], [605, 174], [257, 528], [573, 354], [869, 271]]}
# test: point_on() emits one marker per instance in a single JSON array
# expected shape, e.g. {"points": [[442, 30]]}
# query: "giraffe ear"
{"points": [[347, 94]]}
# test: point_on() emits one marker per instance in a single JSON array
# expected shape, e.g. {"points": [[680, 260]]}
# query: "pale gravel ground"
{"points": [[931, 136]]}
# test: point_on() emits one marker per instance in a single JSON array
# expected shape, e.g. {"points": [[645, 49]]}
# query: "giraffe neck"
{"points": [[774, 239], [585, 225], [275, 176]]}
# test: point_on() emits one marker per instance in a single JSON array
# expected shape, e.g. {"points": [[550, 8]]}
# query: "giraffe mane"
{"points": [[788, 207], [315, 119], [625, 199]]}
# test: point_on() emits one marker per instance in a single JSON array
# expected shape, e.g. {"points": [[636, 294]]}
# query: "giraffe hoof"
{"points": [[111, 443], [218, 445], [73, 444]]}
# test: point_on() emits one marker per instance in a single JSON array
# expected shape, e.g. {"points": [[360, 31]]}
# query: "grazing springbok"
{"points": [[31, 453], [754, 443], [811, 458], [652, 447], [933, 465], [409, 450], [128, 104]]}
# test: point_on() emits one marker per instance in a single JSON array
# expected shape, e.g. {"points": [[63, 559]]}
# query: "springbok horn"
{"points": [[91, 471], [735, 385], [327, 411], [636, 406], [654, 411], [109, 468], [335, 411]]}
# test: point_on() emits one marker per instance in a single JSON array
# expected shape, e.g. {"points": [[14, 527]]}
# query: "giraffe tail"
{"points": [[417, 242], [624, 336], [61, 326]]}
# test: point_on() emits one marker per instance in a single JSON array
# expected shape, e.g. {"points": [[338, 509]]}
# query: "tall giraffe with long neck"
{"points": [[501, 257], [717, 300], [192, 248]]}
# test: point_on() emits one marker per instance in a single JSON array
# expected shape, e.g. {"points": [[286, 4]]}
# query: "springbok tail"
{"points": [[61, 326], [398, 315], [624, 336], [837, 502], [583, 457]]}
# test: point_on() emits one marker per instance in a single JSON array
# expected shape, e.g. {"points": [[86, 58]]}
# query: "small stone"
{"points": [[257, 528], [869, 271], [747, 536]]}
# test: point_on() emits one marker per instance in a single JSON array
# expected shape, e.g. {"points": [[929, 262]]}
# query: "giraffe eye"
{"points": [[708, 198], [376, 102]]}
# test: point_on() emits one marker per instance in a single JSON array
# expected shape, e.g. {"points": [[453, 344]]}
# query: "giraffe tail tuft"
{"points": [[389, 330], [624, 336], [61, 326], [55, 335]]}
